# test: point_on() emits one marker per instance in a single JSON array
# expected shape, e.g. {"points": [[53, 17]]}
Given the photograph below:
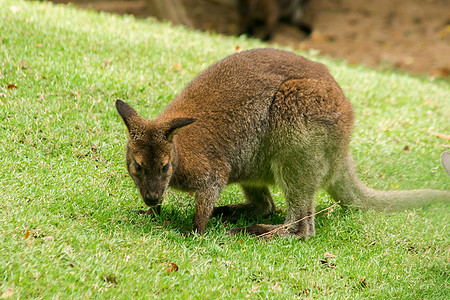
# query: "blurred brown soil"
{"points": [[412, 36]]}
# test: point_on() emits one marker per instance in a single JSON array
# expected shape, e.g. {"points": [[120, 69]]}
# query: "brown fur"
{"points": [[267, 14], [258, 118]]}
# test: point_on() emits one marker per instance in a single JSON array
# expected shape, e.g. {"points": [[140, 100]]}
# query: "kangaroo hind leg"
{"points": [[299, 186]]}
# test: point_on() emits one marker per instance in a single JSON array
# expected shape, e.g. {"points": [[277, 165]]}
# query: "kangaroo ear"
{"points": [[445, 160], [176, 124], [134, 122]]}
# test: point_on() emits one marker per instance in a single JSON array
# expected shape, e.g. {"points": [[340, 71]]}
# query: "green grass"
{"points": [[66, 202]]}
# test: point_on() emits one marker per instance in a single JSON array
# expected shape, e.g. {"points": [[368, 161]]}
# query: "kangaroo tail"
{"points": [[351, 192]]}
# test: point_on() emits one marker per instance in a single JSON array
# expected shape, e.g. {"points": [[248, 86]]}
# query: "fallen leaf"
{"points": [[11, 86], [276, 286], [38, 45], [27, 234], [329, 255], [429, 101], [171, 267], [23, 64], [177, 67], [237, 48], [363, 283], [406, 148], [8, 293], [76, 93], [106, 63], [256, 288]]}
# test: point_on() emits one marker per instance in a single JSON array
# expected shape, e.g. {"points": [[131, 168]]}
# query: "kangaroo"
{"points": [[258, 118], [269, 13]]}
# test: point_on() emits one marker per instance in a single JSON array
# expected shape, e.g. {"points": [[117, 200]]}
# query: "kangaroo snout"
{"points": [[151, 199]]}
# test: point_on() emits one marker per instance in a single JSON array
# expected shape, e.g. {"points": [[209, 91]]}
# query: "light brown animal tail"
{"points": [[351, 192]]}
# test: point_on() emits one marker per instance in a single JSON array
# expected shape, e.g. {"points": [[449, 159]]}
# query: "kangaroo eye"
{"points": [[166, 167], [137, 166]]}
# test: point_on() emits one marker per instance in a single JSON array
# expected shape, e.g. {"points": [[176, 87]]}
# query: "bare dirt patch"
{"points": [[412, 36]]}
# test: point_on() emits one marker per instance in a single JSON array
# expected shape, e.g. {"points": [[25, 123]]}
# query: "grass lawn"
{"points": [[68, 229]]}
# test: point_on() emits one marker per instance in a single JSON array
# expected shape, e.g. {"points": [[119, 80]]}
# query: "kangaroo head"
{"points": [[150, 151]]}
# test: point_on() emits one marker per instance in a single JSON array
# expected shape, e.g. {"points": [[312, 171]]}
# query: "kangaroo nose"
{"points": [[151, 200]]}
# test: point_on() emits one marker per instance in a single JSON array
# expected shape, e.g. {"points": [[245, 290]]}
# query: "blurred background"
{"points": [[411, 36]]}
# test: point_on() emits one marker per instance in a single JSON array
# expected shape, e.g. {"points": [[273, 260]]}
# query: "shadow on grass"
{"points": [[178, 219]]}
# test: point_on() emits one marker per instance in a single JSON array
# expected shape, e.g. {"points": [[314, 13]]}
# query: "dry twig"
{"points": [[271, 232]]}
